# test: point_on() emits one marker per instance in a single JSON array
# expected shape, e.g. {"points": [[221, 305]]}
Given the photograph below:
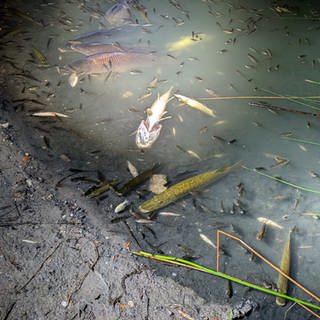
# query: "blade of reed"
{"points": [[283, 181], [198, 267]]}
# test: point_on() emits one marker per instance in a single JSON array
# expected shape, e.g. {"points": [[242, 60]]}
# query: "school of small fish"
{"points": [[120, 46]]}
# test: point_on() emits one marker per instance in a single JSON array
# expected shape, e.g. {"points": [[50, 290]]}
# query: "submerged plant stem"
{"points": [[283, 181], [198, 267], [302, 141], [276, 97]]}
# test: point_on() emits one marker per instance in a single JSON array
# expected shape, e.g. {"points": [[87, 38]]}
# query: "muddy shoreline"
{"points": [[60, 256]]}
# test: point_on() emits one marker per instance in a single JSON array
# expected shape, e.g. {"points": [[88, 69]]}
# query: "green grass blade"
{"points": [[195, 266], [283, 181], [302, 141], [292, 99]]}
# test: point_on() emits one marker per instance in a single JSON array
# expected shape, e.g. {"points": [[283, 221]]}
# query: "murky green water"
{"points": [[105, 113]]}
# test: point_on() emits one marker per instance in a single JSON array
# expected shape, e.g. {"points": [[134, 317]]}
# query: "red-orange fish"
{"points": [[107, 62]]}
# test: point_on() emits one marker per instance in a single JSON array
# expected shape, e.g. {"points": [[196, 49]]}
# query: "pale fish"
{"points": [[185, 42], [269, 222], [149, 129], [93, 48], [125, 34], [195, 105]]}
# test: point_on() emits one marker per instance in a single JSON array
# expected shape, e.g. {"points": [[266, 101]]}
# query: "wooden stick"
{"points": [[268, 262]]}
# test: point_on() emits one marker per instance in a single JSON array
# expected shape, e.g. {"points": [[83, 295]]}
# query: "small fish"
{"points": [[195, 104], [49, 114], [184, 42], [194, 154], [149, 129], [222, 51], [282, 283], [121, 206], [132, 169], [142, 10], [252, 58], [269, 222], [29, 241], [169, 214], [211, 92], [267, 53], [135, 72], [43, 60], [145, 95], [73, 79], [24, 16], [184, 187], [97, 191], [207, 240], [153, 83], [228, 31]]}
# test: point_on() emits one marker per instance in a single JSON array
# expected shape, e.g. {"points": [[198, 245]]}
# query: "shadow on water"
{"points": [[235, 50]]}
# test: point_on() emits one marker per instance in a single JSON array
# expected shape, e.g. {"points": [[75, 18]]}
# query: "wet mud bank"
{"points": [[60, 256]]}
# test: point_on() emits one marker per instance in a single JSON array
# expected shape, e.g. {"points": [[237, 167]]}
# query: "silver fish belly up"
{"points": [[145, 136]]}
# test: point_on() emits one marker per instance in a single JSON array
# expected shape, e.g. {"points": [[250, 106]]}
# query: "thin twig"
{"points": [[269, 263], [259, 97], [41, 265], [9, 310], [83, 278], [277, 108], [31, 223]]}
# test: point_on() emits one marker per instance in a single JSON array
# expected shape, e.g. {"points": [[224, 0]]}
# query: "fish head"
{"points": [[145, 136]]}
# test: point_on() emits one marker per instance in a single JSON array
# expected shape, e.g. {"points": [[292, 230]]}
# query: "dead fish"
{"points": [[49, 114], [89, 49], [184, 187], [119, 14], [108, 62], [149, 129], [121, 206], [111, 61], [132, 169], [195, 105], [185, 42], [269, 222], [282, 283], [207, 240]]}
